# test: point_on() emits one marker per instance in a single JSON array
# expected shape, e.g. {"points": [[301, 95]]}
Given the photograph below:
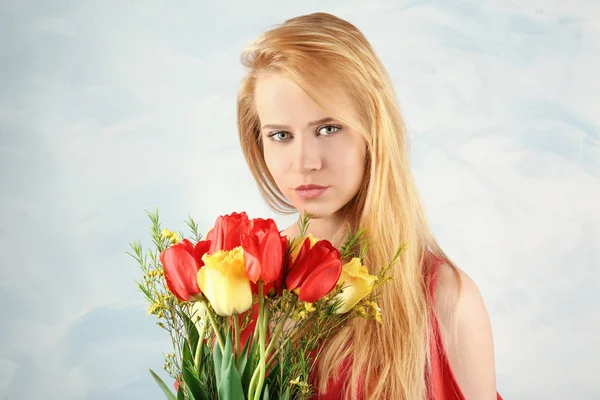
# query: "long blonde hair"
{"points": [[321, 52]]}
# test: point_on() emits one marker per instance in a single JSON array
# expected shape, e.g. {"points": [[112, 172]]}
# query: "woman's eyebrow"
{"points": [[318, 122]]}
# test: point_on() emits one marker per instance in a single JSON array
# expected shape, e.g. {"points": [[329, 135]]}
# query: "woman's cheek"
{"points": [[277, 166]]}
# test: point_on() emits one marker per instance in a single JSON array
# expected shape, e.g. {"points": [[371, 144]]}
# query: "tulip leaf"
{"points": [[243, 359], [231, 384], [206, 354], [190, 395], [163, 386], [187, 353], [189, 346], [227, 354], [247, 365], [192, 382], [192, 331], [218, 361]]}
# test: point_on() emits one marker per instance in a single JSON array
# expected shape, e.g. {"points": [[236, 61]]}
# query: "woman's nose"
{"points": [[307, 155]]}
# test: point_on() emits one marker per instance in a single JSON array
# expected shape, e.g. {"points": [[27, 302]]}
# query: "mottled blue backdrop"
{"points": [[108, 108]]}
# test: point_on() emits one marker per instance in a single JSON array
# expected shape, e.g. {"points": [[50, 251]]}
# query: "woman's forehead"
{"points": [[280, 101]]}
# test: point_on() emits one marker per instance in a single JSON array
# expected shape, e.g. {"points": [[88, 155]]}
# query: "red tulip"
{"points": [[276, 287], [315, 271], [264, 248], [181, 263], [227, 232]]}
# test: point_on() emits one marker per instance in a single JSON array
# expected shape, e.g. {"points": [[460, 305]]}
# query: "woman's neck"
{"points": [[320, 228]]}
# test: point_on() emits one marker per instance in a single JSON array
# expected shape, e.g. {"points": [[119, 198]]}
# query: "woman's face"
{"points": [[317, 163]]}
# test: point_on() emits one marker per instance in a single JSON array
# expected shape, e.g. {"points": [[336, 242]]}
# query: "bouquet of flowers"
{"points": [[247, 309]]}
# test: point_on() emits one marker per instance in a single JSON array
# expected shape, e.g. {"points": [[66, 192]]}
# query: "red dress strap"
{"points": [[442, 381]]}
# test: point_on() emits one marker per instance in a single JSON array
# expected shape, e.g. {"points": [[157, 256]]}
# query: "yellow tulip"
{"points": [[223, 281], [357, 283]]}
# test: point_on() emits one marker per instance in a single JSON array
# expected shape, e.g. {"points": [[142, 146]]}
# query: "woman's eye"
{"points": [[328, 129], [279, 136]]}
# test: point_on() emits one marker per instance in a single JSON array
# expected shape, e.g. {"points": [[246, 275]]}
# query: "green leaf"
{"points": [[218, 361], [163, 386], [266, 394], [206, 355], [192, 382], [187, 353], [189, 393], [249, 357], [243, 360], [227, 354], [231, 383], [192, 331]]}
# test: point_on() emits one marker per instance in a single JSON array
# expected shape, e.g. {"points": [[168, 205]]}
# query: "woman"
{"points": [[321, 131]]}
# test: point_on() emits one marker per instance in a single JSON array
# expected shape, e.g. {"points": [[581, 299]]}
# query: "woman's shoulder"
{"points": [[454, 289], [465, 331]]}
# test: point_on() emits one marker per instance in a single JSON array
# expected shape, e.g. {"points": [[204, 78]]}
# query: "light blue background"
{"points": [[108, 108]]}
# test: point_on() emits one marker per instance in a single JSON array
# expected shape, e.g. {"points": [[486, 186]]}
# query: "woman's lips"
{"points": [[310, 191]]}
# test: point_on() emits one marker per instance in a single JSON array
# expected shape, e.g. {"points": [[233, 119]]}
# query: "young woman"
{"points": [[321, 131]]}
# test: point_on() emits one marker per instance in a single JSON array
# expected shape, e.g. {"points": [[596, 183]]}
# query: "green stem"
{"points": [[256, 329], [298, 330], [236, 329], [280, 327], [237, 345], [259, 373], [262, 337], [273, 359], [199, 347], [254, 384], [211, 317]]}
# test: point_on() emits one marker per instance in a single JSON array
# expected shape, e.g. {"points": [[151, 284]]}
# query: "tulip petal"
{"points": [[180, 272], [263, 249], [253, 267], [171, 287], [278, 283], [224, 282], [299, 269], [260, 227], [215, 236], [357, 284], [227, 231], [226, 297], [272, 256], [187, 245], [202, 247], [321, 280], [324, 249]]}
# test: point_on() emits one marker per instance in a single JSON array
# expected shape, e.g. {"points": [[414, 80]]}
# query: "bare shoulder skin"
{"points": [[467, 333]]}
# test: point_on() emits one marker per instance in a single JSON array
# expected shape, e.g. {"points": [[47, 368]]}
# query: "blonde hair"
{"points": [[321, 52]]}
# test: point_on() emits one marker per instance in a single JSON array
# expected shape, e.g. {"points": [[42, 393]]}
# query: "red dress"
{"points": [[443, 384]]}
